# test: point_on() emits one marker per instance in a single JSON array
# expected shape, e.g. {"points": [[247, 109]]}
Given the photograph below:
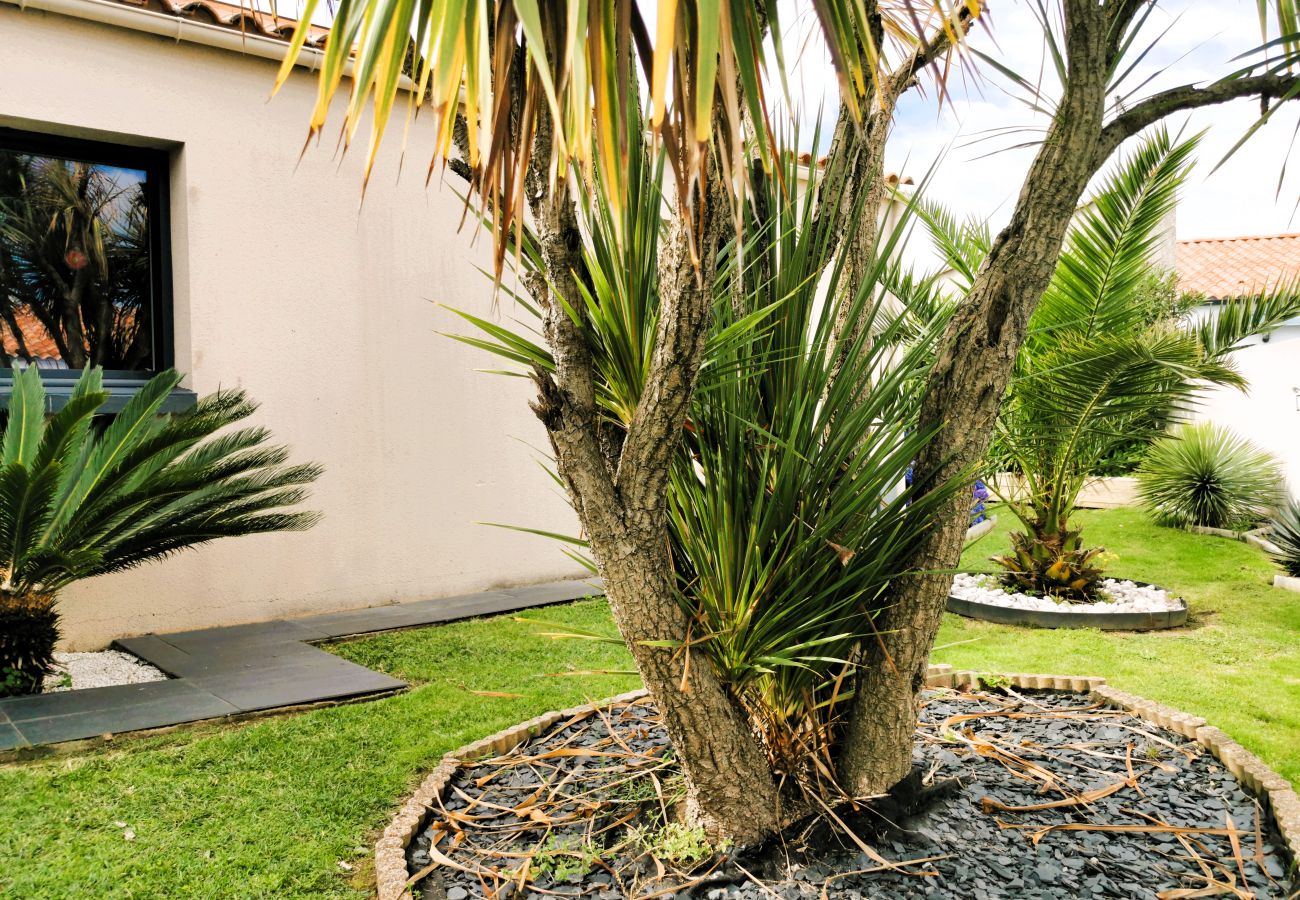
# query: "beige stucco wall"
{"points": [[1268, 413], [326, 315]]}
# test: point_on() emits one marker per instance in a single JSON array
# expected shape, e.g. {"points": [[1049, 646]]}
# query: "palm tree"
{"points": [[1096, 372], [79, 500]]}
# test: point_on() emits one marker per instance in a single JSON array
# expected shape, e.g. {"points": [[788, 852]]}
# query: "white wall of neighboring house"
{"points": [[1268, 413], [326, 313]]}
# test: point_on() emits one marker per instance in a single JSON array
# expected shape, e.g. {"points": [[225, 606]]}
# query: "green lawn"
{"points": [[271, 808], [285, 807]]}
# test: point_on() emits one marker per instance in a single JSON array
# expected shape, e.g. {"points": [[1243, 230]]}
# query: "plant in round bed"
{"points": [[1205, 474], [80, 498], [1106, 362]]}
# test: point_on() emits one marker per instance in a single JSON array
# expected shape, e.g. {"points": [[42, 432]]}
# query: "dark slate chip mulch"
{"points": [[580, 812]]}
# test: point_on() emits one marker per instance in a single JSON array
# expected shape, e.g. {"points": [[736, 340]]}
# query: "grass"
{"points": [[1237, 664], [286, 807], [283, 807]]}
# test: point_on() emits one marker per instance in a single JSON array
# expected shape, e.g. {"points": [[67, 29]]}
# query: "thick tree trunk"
{"points": [[962, 398], [619, 489], [730, 790]]}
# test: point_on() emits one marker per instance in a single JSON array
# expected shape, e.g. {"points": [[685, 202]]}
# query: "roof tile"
{"points": [[1226, 268], [234, 16]]}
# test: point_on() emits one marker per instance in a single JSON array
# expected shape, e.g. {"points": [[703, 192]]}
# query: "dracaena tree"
{"points": [[535, 103]]}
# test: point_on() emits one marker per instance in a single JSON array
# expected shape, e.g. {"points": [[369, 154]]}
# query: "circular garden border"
{"points": [[1275, 792], [1039, 618]]}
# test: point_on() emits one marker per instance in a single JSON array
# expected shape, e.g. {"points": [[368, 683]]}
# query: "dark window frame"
{"points": [[156, 164]]}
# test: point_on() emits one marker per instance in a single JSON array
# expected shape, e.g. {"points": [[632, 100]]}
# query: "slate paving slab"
{"points": [[112, 710], [238, 669]]}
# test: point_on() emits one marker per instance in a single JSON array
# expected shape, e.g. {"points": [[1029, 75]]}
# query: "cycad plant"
{"points": [[1098, 370], [79, 498], [1205, 474], [1284, 533], [788, 514]]}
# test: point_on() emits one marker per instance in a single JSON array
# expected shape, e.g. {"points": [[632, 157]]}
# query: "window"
{"points": [[84, 270]]}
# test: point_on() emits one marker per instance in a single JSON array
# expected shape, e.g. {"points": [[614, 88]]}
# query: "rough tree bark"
{"points": [[974, 365], [619, 489]]}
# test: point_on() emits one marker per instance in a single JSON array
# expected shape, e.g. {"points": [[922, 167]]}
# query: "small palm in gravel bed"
{"points": [[78, 499], [1053, 562], [1284, 532]]}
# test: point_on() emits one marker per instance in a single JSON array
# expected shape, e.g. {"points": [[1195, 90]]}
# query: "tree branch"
{"points": [[1158, 106], [929, 51]]}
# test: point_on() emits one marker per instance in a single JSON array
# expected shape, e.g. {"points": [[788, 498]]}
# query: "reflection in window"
{"points": [[77, 274]]}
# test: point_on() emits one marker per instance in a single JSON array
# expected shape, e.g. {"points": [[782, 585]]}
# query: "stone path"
{"points": [[219, 672]]}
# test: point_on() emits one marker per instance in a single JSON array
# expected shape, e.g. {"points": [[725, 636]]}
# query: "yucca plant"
{"points": [[1284, 532], [1205, 474], [80, 499]]}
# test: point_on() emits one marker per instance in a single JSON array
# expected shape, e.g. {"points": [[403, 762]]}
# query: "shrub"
{"points": [[79, 500], [1284, 532], [1204, 474]]}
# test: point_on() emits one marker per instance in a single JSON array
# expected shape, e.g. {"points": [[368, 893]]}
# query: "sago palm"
{"points": [[79, 498]]}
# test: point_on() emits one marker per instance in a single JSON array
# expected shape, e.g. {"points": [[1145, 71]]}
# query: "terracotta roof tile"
{"points": [[1224, 268], [40, 346], [233, 16]]}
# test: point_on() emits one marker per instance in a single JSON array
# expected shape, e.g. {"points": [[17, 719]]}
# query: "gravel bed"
{"points": [[572, 813], [103, 668], [1122, 596]]}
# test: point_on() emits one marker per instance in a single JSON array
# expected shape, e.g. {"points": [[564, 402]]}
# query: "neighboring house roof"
{"points": [[1227, 268], [233, 16], [41, 348]]}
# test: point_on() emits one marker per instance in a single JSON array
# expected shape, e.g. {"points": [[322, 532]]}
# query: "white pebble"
{"points": [[1121, 596], [102, 668]]}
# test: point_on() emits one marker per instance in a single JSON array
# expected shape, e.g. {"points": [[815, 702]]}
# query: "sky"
{"points": [[976, 173]]}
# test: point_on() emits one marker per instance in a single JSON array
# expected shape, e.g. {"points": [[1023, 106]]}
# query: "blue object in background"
{"points": [[981, 494]]}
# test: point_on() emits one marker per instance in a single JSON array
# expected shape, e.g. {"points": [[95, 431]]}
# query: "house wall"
{"points": [[324, 309], [1269, 412]]}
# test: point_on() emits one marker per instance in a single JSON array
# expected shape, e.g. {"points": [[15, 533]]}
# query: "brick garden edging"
{"points": [[1278, 796]]}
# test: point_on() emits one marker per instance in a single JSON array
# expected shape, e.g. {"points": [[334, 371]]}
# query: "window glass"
{"points": [[78, 267]]}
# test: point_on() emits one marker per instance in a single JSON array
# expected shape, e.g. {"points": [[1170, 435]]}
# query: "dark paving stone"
{"points": [[409, 615], [157, 652], [555, 592], [65, 703], [220, 657], [206, 640], [254, 690], [244, 668], [113, 710], [9, 736], [446, 609]]}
